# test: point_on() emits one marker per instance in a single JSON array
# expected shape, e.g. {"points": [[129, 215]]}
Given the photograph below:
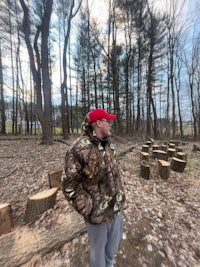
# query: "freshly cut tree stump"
{"points": [[5, 218], [144, 156], [163, 148], [55, 178], [171, 152], [164, 169], [148, 143], [181, 155], [172, 145], [39, 203], [178, 165], [155, 147], [179, 149], [145, 148], [144, 169], [177, 143], [159, 154]]}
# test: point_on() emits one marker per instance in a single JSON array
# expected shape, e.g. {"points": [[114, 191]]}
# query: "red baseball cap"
{"points": [[99, 113]]}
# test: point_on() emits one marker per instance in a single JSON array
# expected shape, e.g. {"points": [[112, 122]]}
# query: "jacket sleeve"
{"points": [[72, 184]]}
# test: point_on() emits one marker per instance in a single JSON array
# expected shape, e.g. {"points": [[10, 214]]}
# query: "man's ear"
{"points": [[98, 123]]}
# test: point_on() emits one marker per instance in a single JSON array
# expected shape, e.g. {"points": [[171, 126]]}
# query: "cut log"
{"points": [[171, 152], [145, 148], [179, 149], [39, 203], [178, 165], [164, 169], [159, 154], [177, 143], [148, 143], [171, 142], [181, 155], [144, 156], [19, 246], [155, 147], [144, 169], [163, 148], [55, 179], [5, 218], [171, 145]]}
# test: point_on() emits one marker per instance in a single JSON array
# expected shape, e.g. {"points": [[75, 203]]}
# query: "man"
{"points": [[93, 186]]}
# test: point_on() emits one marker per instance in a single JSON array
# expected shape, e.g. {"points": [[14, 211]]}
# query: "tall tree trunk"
{"points": [[45, 116], [2, 102]]}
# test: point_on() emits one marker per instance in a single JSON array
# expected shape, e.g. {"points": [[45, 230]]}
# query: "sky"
{"points": [[99, 11]]}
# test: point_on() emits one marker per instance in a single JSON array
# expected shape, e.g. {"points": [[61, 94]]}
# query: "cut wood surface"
{"points": [[5, 218], [181, 155], [172, 145], [148, 143], [164, 169], [18, 247], [160, 154], [144, 156], [39, 203]]}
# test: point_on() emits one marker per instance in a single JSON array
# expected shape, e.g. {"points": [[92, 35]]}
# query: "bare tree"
{"points": [[41, 75], [2, 102]]}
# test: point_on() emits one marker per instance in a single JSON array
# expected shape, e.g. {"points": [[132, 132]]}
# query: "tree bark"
{"points": [[178, 165], [164, 169], [5, 218], [39, 203]]}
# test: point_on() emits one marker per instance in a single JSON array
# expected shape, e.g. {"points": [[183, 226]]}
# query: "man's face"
{"points": [[105, 128]]}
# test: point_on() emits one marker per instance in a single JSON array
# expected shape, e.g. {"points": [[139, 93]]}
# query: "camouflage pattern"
{"points": [[93, 184]]}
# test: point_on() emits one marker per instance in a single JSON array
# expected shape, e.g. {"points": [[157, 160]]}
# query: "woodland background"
{"points": [[139, 59], [60, 59]]}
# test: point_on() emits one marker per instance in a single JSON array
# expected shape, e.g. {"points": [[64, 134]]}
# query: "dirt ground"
{"points": [[161, 217]]}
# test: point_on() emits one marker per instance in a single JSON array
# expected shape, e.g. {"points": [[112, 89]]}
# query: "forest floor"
{"points": [[162, 218]]}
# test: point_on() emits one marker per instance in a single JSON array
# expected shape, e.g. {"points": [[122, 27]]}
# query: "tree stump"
{"points": [[5, 218], [171, 142], [163, 148], [171, 145], [164, 169], [148, 143], [171, 152], [55, 179], [166, 143], [159, 154], [179, 149], [145, 148], [178, 165], [144, 169], [39, 203], [155, 147], [181, 155], [144, 156], [177, 143]]}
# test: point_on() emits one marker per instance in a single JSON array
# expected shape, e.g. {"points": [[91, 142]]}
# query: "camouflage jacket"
{"points": [[93, 184]]}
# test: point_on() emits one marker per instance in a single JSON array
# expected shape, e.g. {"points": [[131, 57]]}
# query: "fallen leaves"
{"points": [[162, 218]]}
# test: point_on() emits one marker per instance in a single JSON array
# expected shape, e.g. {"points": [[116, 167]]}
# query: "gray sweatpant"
{"points": [[104, 240]]}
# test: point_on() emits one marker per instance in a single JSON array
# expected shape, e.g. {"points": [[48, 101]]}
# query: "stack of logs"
{"points": [[167, 156], [36, 204]]}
